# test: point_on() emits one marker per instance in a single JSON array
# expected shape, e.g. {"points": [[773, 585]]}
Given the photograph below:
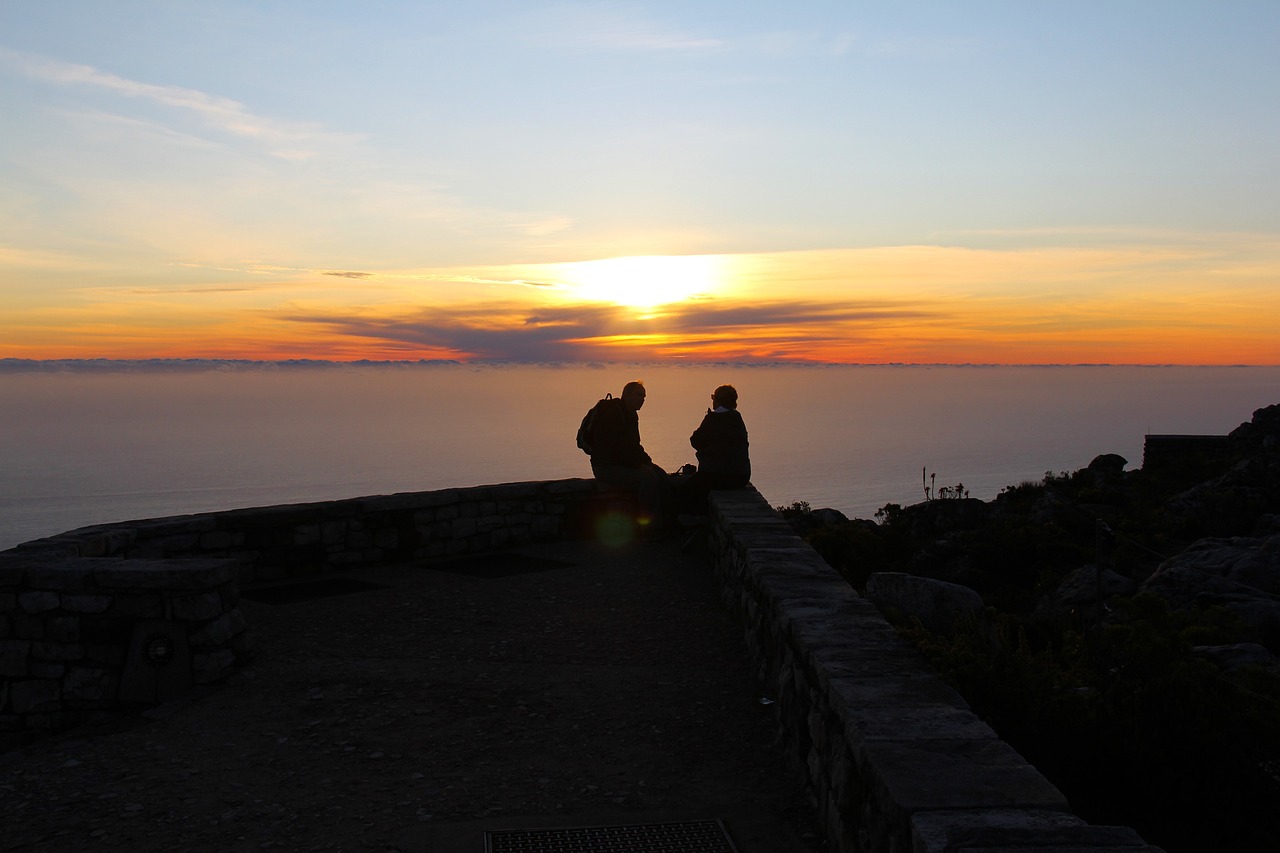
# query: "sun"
{"points": [[645, 281]]}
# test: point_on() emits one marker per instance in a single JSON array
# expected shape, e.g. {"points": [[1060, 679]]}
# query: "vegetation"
{"points": [[1110, 700]]}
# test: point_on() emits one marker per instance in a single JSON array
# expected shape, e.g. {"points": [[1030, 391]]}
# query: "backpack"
{"points": [[589, 422]]}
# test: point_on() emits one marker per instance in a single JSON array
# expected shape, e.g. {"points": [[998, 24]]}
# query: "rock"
{"points": [[935, 518], [1236, 655], [951, 559], [1079, 589], [827, 516], [1240, 573], [942, 608], [804, 523], [1108, 463]]}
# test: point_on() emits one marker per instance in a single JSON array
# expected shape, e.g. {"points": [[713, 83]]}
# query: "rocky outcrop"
{"points": [[1241, 574], [942, 608], [1084, 588], [1105, 530]]}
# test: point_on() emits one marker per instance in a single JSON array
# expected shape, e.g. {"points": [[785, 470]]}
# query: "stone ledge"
{"points": [[893, 756]]}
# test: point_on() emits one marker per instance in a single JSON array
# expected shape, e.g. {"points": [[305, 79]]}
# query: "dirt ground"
{"points": [[606, 687]]}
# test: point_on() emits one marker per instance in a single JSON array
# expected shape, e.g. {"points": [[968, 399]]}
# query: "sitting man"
{"points": [[619, 460], [721, 443]]}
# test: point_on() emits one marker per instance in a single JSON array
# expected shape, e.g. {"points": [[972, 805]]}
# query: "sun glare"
{"points": [[645, 281]]}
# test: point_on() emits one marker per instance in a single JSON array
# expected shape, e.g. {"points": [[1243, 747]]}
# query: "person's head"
{"points": [[726, 396], [633, 395]]}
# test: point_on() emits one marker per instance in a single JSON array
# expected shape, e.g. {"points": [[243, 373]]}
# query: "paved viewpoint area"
{"points": [[564, 685]]}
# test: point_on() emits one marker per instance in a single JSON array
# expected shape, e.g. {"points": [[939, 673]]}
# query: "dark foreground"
{"points": [[567, 685]]}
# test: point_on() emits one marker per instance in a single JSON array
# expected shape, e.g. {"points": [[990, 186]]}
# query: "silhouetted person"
{"points": [[722, 449], [619, 460]]}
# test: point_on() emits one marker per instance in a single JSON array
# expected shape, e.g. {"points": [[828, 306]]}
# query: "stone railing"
{"points": [[895, 759], [139, 611]]}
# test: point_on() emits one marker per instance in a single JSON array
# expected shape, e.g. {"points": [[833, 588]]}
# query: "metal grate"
{"points": [[292, 593], [699, 836]]}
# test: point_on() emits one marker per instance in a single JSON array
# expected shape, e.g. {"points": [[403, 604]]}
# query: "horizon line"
{"points": [[30, 365]]}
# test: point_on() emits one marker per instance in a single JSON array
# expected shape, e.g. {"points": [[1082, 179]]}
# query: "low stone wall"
{"points": [[140, 611], [894, 757]]}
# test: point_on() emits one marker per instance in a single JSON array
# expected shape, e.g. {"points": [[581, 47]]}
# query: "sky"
{"points": [[861, 182]]}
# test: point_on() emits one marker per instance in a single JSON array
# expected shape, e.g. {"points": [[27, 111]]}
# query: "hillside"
{"points": [[1118, 627]]}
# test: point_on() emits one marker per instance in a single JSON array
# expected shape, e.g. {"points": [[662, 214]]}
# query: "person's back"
{"points": [[721, 442], [619, 460], [615, 435]]}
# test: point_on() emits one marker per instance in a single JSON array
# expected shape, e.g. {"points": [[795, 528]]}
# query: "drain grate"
{"points": [[497, 565], [292, 593], [698, 836]]}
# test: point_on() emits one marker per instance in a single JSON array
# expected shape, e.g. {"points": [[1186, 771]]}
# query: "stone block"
{"points": [[63, 629], [51, 651], [220, 540], [39, 601], [86, 687], [208, 667], [217, 632], [75, 574], [178, 525], [12, 572], [42, 669], [176, 545], [408, 501], [137, 605], [912, 776], [203, 573], [15, 658], [85, 603], [194, 608], [35, 696], [111, 654], [25, 626], [945, 830], [333, 532], [574, 486]]}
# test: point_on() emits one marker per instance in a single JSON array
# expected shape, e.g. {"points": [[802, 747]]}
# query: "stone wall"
{"points": [[140, 611], [894, 758]]}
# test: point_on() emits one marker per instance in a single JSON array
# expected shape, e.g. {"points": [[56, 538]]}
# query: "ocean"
{"points": [[139, 440]]}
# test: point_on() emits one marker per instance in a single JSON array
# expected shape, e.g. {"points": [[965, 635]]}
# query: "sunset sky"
{"points": [[991, 182]]}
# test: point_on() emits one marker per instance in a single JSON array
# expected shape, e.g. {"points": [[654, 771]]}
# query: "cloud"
{"points": [[347, 274], [284, 139], [583, 331]]}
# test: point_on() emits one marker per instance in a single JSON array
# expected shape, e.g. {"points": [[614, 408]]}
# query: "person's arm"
{"points": [[702, 434]]}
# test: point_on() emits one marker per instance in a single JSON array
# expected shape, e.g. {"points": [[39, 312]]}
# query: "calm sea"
{"points": [[81, 448]]}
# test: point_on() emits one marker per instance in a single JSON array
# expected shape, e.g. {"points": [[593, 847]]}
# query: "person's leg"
{"points": [[691, 495], [643, 482]]}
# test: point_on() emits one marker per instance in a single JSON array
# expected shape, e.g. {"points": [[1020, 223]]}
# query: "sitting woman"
{"points": [[721, 445]]}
